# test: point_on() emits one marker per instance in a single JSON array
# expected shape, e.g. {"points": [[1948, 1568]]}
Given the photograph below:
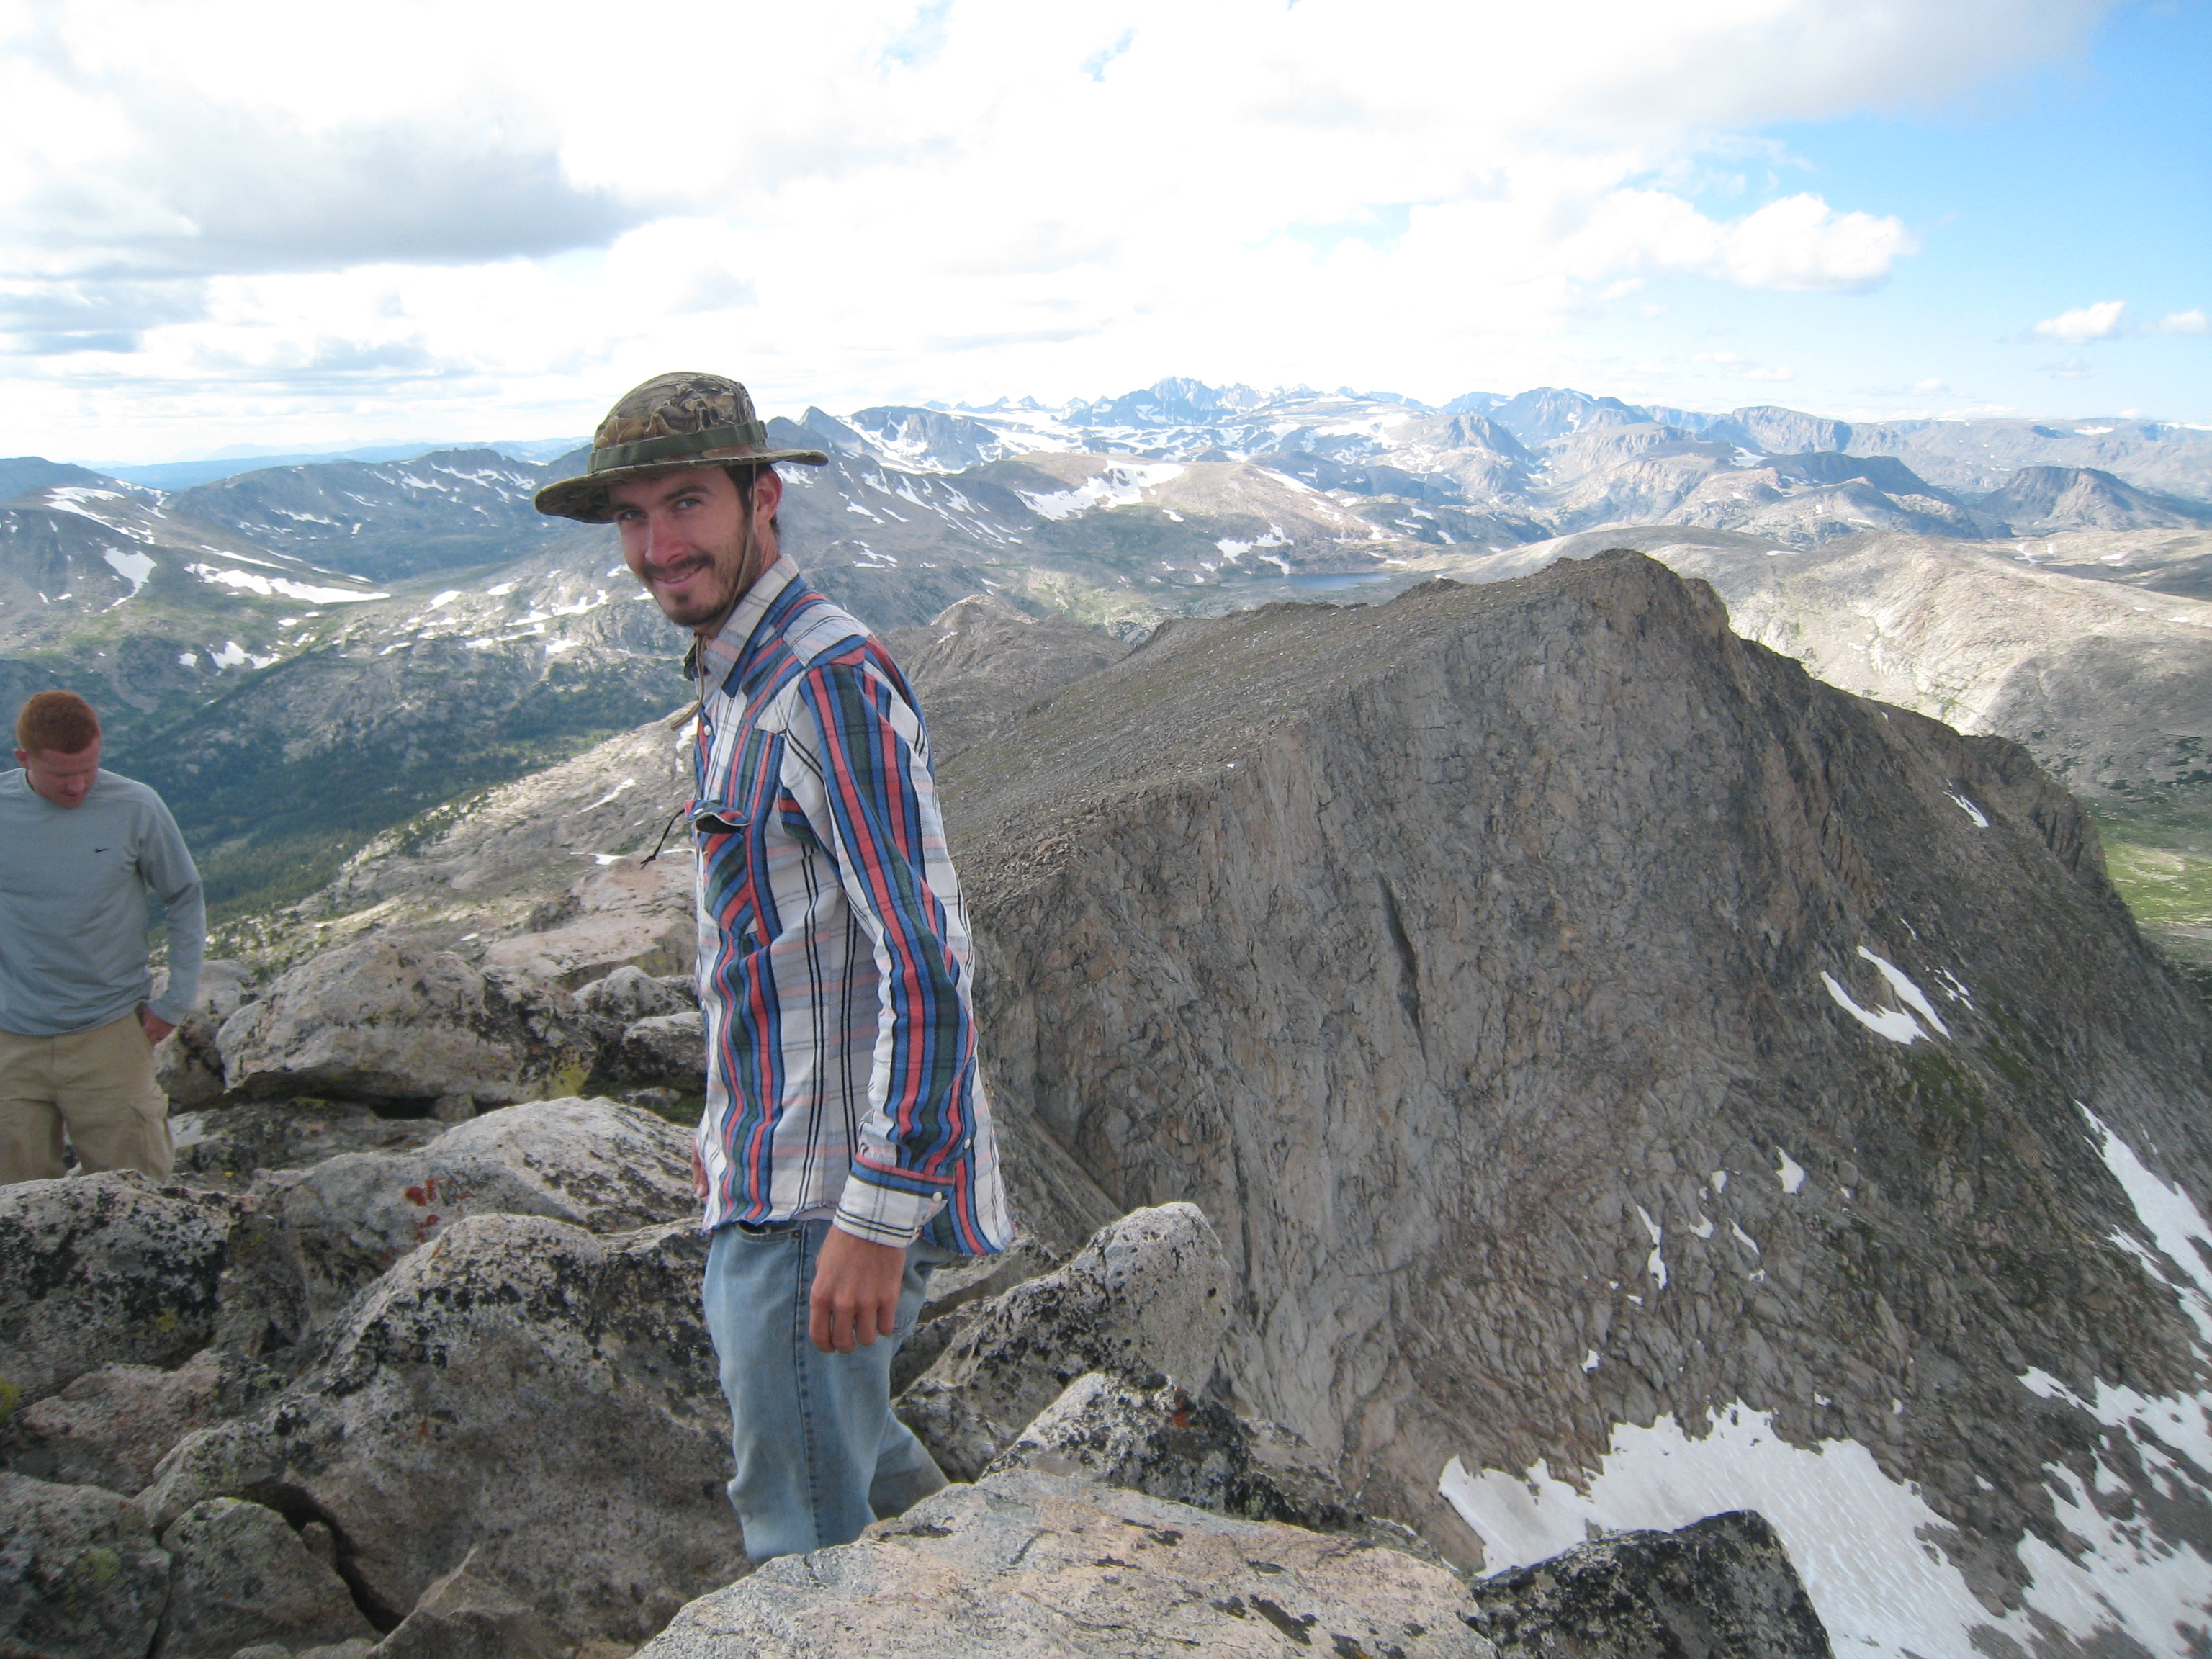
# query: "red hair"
{"points": [[57, 723]]}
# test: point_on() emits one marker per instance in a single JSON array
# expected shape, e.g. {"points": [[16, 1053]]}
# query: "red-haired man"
{"points": [[79, 850]]}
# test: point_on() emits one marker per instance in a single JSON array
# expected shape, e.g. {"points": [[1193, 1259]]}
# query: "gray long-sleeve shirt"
{"points": [[73, 914]]}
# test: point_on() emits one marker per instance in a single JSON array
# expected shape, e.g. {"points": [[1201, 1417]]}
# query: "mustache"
{"points": [[676, 569]]}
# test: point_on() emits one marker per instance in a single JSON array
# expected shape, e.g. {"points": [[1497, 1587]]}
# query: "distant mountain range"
{"points": [[183, 475], [303, 654]]}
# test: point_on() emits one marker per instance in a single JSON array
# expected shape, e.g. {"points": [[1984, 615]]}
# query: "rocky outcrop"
{"points": [[188, 1064], [319, 1235], [111, 1427], [81, 1577], [1576, 1021], [1025, 1563], [239, 1574], [101, 1270], [1151, 1434], [669, 1050], [631, 994], [504, 1357], [465, 1616], [373, 1020], [1151, 1293], [225, 1147], [1722, 1587], [519, 1386]]}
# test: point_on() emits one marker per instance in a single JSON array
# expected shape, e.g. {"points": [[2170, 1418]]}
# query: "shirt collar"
{"points": [[719, 658]]}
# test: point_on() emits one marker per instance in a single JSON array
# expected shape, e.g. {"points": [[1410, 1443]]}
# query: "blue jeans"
{"points": [[818, 1454]]}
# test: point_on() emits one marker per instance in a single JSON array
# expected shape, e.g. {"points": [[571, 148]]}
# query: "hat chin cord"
{"points": [[747, 546]]}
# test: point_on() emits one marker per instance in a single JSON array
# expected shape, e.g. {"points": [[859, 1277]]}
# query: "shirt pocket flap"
{"points": [[717, 817]]}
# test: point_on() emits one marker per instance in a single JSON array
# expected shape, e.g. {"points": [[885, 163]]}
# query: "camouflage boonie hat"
{"points": [[671, 421]]}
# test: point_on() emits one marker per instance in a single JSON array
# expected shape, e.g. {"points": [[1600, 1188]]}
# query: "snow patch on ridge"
{"points": [[1790, 1173], [133, 567], [1892, 1022], [1907, 992], [1116, 486], [271, 586], [1655, 1264], [2176, 1225], [1855, 1535]]}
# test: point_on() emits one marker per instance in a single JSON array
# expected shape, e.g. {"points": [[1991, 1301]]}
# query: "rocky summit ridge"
{"points": [[1598, 1042], [1511, 1064]]}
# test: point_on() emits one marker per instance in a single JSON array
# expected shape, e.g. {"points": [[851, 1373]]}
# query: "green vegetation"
{"points": [[290, 828], [2159, 857], [1949, 1099]]}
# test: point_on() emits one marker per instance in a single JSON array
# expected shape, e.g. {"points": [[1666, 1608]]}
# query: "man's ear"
{"points": [[768, 491]]}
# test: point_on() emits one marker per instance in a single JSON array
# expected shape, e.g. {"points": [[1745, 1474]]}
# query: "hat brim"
{"points": [[585, 498]]}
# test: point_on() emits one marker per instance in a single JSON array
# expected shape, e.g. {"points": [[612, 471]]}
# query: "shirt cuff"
{"points": [[167, 1011], [884, 1215]]}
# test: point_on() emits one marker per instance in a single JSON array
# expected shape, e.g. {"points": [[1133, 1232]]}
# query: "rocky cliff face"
{"points": [[1606, 1051]]}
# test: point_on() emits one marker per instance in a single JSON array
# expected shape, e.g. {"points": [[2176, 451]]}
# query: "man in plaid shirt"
{"points": [[846, 1148]]}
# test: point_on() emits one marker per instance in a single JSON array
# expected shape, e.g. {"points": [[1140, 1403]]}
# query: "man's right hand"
{"points": [[698, 1173]]}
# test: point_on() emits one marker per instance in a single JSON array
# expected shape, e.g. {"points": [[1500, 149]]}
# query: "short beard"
{"points": [[696, 612], [703, 615]]}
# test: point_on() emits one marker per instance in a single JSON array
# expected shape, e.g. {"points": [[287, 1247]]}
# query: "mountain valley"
{"points": [[304, 657]]}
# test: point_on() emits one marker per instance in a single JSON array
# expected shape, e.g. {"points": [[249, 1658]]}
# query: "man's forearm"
{"points": [[187, 934]]}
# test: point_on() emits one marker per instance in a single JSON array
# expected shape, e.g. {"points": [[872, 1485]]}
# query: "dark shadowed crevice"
{"points": [[298, 1509], [1409, 965]]}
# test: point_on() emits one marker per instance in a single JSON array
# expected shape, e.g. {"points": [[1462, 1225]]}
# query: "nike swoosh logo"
{"points": [[99, 849]]}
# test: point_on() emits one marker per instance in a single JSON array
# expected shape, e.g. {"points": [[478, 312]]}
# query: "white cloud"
{"points": [[2181, 322], [1931, 384], [251, 211], [2100, 321], [1800, 242]]}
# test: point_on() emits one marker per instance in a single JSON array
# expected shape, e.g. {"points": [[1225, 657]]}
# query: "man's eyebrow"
{"points": [[676, 487]]}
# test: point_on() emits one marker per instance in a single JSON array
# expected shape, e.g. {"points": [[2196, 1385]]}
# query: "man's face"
{"points": [[683, 537], [64, 779]]}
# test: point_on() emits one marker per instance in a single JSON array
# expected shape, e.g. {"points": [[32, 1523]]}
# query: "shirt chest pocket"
{"points": [[745, 822]]}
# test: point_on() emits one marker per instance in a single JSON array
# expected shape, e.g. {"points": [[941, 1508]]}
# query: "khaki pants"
{"points": [[99, 1083]]}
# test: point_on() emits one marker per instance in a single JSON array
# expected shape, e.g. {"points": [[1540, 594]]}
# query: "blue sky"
{"points": [[246, 222], [2081, 181]]}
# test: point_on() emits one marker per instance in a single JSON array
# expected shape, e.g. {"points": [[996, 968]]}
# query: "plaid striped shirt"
{"points": [[833, 964]]}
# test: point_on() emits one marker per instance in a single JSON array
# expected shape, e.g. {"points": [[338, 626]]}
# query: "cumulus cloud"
{"points": [[2101, 321], [1801, 243], [43, 318], [202, 190], [1797, 243], [2108, 320]]}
